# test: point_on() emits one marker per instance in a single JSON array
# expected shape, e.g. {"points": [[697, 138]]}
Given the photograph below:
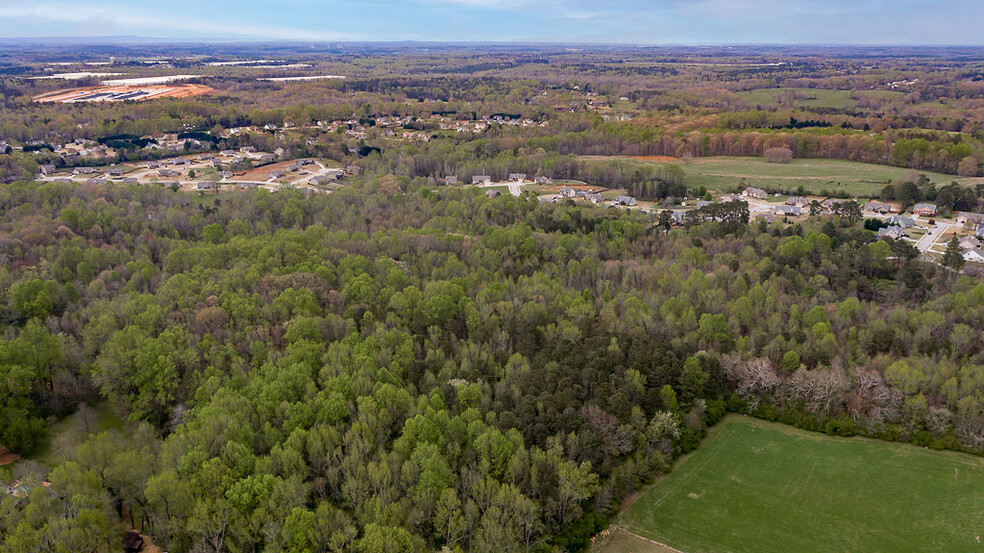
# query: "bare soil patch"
{"points": [[7, 457], [150, 92]]}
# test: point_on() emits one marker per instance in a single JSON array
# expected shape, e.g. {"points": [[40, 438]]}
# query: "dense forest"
{"points": [[395, 367]]}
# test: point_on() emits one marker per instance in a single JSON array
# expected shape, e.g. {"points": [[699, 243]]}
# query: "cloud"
{"points": [[598, 21], [126, 19]]}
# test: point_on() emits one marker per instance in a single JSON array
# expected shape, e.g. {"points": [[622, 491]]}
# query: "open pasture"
{"points": [[816, 176], [756, 486]]}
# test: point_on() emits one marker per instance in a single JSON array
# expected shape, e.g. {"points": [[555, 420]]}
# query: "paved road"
{"points": [[927, 241]]}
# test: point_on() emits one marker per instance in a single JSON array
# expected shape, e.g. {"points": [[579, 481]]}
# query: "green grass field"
{"points": [[813, 97], [814, 175], [755, 486], [72, 430]]}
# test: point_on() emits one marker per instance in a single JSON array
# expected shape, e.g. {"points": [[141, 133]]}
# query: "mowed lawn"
{"points": [[755, 486]]}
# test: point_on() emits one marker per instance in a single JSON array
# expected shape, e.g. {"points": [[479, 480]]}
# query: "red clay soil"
{"points": [[155, 91], [555, 188], [260, 173], [7, 458]]}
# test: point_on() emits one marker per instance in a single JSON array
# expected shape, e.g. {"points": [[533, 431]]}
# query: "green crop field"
{"points": [[755, 486], [813, 97]]}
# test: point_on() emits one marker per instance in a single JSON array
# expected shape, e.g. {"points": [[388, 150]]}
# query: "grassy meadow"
{"points": [[756, 486], [814, 175], [813, 97]]}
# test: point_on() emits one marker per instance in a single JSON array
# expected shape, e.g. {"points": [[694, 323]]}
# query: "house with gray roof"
{"points": [[893, 232], [877, 207], [900, 221]]}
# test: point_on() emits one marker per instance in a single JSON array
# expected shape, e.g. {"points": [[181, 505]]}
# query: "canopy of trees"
{"points": [[408, 369]]}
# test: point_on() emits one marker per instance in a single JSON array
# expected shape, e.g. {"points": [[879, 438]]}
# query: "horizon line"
{"points": [[139, 39]]}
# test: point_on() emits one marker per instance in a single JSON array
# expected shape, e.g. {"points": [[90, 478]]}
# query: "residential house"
{"points": [[970, 242], [877, 207], [168, 173], [226, 174], [545, 181], [567, 192], [767, 217], [830, 203], [266, 158], [757, 193], [130, 180], [900, 221], [206, 185], [980, 230], [248, 150], [966, 217], [798, 201], [114, 172], [625, 200], [95, 181], [47, 169], [593, 197], [451, 180], [84, 170], [481, 179], [228, 153], [703, 203], [517, 177], [275, 174], [247, 185], [975, 255], [154, 165], [353, 170], [893, 232], [925, 210], [788, 210]]}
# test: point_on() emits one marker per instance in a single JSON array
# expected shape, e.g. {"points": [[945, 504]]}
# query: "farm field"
{"points": [[813, 97], [816, 176], [122, 92], [756, 486]]}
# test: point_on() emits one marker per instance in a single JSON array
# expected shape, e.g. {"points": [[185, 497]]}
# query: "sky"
{"points": [[687, 22]]}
